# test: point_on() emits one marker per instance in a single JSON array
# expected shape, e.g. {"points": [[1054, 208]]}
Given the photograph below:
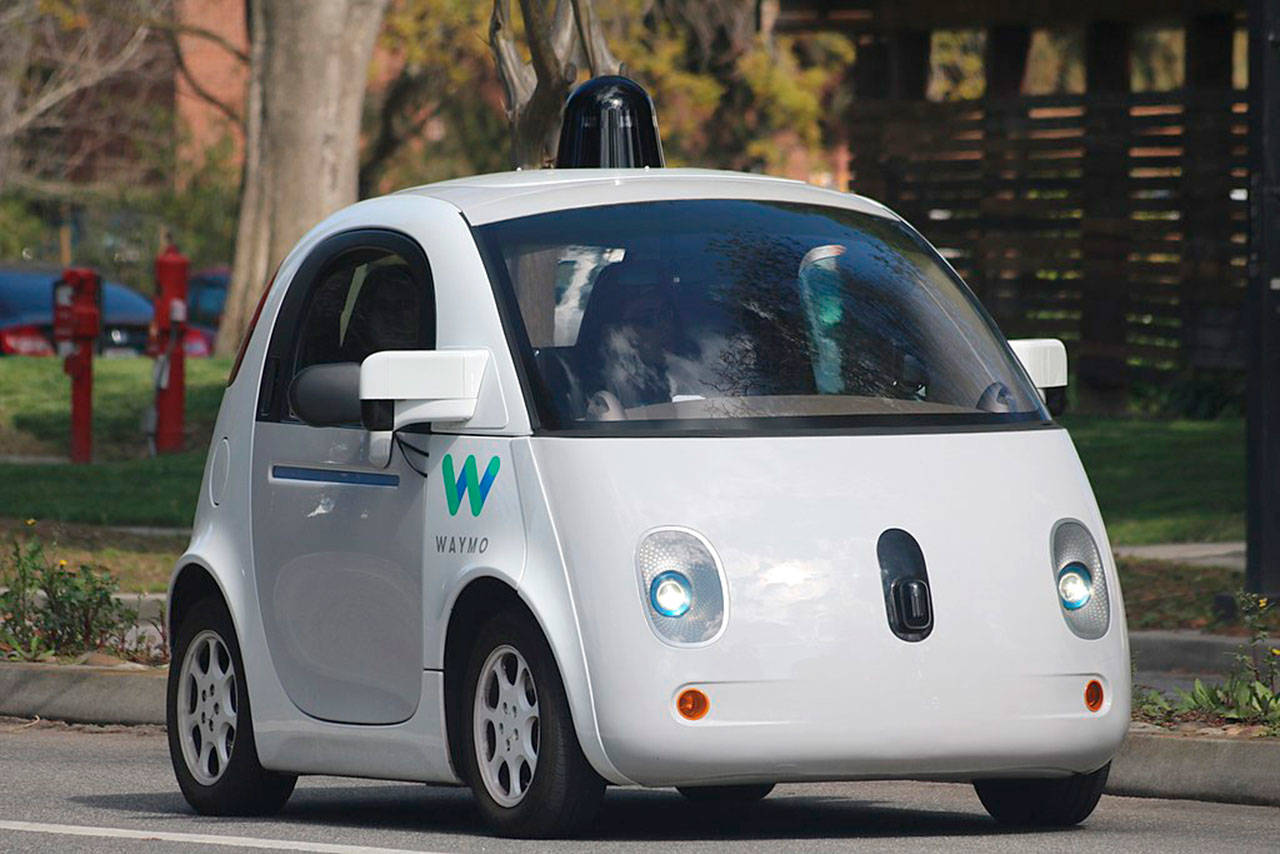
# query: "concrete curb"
{"points": [[147, 605], [1229, 770], [91, 695], [1240, 771], [149, 608]]}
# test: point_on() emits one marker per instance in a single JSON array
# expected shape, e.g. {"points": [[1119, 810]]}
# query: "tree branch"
{"points": [[595, 47], [176, 29], [92, 74], [563, 32], [199, 90], [517, 76], [401, 94], [538, 31]]}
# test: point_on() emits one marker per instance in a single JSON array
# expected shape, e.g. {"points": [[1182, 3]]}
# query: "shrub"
{"points": [[51, 610], [1199, 394], [1250, 694]]}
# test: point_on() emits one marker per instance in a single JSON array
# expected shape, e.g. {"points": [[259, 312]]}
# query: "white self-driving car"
{"points": [[543, 481]]}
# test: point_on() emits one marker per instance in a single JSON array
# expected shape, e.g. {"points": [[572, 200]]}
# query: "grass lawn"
{"points": [[1164, 595], [35, 405], [1165, 481], [141, 563], [123, 486]]}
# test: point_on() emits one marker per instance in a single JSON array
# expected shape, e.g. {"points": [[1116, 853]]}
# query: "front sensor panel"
{"points": [[907, 600]]}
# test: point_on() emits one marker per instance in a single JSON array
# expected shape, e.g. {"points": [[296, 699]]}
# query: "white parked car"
{"points": [[544, 481]]}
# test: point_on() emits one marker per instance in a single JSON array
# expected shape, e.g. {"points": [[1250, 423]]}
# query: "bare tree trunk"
{"points": [[308, 64], [536, 90]]}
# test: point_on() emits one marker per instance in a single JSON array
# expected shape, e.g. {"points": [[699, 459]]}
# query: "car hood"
{"points": [[796, 521]]}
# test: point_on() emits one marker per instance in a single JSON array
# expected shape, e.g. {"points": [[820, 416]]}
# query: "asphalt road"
{"points": [[111, 789]]}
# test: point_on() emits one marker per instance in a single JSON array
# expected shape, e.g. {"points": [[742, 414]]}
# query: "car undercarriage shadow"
{"points": [[628, 814]]}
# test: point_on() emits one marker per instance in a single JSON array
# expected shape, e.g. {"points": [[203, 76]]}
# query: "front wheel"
{"points": [[1043, 803], [520, 753], [209, 724], [743, 794]]}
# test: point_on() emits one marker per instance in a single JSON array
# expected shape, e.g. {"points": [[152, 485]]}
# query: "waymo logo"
{"points": [[469, 483]]}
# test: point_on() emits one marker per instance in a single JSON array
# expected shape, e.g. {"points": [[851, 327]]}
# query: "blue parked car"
{"points": [[26, 315], [206, 297]]}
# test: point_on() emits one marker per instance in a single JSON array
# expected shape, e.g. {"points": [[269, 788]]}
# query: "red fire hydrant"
{"points": [[168, 332], [77, 321]]}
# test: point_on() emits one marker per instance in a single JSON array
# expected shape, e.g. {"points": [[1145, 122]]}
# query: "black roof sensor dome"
{"points": [[609, 122]]}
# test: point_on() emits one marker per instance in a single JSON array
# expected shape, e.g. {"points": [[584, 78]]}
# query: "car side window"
{"points": [[358, 294], [366, 302]]}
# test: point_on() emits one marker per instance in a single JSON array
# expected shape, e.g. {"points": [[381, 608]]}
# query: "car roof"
{"points": [[505, 195]]}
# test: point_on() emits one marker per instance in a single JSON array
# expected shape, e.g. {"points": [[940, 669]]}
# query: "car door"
{"points": [[338, 535]]}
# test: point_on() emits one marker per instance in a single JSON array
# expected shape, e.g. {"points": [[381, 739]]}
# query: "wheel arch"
{"points": [[487, 594], [192, 582], [480, 597]]}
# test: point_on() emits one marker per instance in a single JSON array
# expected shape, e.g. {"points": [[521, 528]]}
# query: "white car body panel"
{"points": [[995, 690]]}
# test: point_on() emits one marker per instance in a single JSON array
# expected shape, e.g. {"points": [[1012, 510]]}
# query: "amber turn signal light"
{"points": [[1093, 695], [692, 704]]}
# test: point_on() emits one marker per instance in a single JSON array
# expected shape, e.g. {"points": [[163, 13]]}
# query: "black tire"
{"points": [[1043, 803], [564, 792], [244, 786], [742, 794]]}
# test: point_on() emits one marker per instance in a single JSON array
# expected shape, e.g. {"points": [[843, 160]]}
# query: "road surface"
{"points": [[111, 789]]}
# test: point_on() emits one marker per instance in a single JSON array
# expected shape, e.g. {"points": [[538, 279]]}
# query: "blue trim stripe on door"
{"points": [[358, 478]]}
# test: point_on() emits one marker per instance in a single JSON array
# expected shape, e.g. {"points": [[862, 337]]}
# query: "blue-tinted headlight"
{"points": [[1075, 586], [670, 593]]}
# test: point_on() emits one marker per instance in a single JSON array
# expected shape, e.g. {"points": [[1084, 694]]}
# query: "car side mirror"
{"points": [[1045, 361], [403, 387], [327, 395]]}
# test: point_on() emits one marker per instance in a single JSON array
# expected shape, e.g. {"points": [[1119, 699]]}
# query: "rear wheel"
{"points": [[1043, 803], [210, 728], [727, 794], [520, 753]]}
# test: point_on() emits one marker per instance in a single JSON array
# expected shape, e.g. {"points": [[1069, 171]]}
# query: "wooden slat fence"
{"points": [[1118, 223]]}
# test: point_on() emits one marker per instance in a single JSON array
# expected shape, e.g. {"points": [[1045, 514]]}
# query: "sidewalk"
{"points": [[1230, 554]]}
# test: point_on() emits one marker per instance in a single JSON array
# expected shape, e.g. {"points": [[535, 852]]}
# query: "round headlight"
{"points": [[1075, 586], [681, 586], [670, 594]]}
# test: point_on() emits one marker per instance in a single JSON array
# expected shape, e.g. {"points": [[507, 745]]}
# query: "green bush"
{"points": [[50, 610], [21, 229], [1198, 394], [1249, 695]]}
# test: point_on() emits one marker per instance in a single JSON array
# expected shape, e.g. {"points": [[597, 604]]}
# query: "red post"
{"points": [[170, 335], [80, 368], [77, 321]]}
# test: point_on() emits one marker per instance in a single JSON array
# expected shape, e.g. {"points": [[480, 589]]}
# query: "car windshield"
{"points": [[716, 314]]}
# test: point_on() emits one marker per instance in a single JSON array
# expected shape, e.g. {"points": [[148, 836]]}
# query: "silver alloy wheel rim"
{"points": [[207, 703], [506, 726]]}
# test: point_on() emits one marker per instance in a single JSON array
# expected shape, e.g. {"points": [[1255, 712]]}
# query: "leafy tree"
{"points": [[437, 112], [955, 65], [730, 92]]}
